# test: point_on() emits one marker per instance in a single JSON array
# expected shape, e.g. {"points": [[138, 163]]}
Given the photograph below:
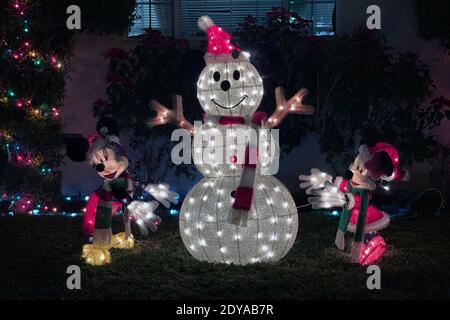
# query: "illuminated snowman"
{"points": [[238, 213]]}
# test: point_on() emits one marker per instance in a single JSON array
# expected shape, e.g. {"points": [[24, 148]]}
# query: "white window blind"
{"points": [[153, 14], [225, 13], [319, 11]]}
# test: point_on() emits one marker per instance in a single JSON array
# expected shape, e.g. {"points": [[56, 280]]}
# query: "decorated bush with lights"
{"points": [[32, 73], [239, 213]]}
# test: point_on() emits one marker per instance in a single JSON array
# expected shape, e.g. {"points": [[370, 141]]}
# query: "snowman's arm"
{"points": [[165, 115], [284, 108]]}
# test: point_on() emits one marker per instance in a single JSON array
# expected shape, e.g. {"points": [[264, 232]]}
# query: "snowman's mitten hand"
{"points": [[314, 181]]}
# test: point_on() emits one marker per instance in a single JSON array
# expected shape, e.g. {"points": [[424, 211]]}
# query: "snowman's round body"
{"points": [[233, 89], [209, 236]]}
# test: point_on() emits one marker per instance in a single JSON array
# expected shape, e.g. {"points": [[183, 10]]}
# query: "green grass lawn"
{"points": [[36, 251]]}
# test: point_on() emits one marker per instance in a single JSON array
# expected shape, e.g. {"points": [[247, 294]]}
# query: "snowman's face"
{"points": [[230, 89]]}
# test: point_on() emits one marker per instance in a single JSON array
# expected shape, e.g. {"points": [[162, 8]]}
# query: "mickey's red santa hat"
{"points": [[376, 164], [220, 48]]}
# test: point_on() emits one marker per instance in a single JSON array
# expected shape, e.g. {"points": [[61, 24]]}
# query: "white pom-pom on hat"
{"points": [[205, 22]]}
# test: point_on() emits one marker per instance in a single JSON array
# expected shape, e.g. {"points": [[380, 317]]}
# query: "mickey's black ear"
{"points": [[76, 148], [348, 175], [108, 126]]}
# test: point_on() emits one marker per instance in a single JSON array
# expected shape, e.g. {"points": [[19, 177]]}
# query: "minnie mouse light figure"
{"points": [[374, 162], [105, 153]]}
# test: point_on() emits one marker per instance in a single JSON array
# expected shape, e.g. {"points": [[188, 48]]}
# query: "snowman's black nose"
{"points": [[100, 167], [225, 85]]}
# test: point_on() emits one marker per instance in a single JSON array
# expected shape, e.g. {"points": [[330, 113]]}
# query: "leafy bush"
{"points": [[432, 20], [147, 72], [357, 84]]}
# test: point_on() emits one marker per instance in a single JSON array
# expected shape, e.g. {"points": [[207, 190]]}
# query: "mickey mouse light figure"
{"points": [[105, 153], [374, 162]]}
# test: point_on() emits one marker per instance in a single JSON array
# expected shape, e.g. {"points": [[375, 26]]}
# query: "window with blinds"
{"points": [[319, 11], [152, 14], [225, 13], [159, 14]]}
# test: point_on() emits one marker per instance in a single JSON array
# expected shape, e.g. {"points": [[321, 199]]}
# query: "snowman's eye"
{"points": [[216, 76], [236, 75]]}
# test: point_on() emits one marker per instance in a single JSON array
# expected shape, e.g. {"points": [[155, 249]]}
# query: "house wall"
{"points": [[85, 84]]}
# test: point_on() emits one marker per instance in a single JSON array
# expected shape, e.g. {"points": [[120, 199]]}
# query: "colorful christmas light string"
{"points": [[26, 51], [10, 97]]}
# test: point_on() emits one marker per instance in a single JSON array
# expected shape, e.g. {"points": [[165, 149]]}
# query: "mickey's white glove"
{"points": [[315, 181], [162, 194], [143, 213], [330, 196]]}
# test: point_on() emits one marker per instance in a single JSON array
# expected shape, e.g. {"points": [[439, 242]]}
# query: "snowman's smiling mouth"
{"points": [[242, 100]]}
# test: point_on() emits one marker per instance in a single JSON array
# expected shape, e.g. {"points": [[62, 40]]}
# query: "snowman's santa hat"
{"points": [[220, 48], [383, 162]]}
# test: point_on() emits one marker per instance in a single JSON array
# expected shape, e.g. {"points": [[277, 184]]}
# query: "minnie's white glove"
{"points": [[315, 181], [162, 194], [330, 196], [143, 213]]}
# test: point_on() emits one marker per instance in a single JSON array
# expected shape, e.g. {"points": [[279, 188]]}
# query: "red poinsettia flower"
{"points": [[116, 53], [113, 78], [99, 103]]}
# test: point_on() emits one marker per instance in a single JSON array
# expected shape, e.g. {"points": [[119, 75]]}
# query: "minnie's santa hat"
{"points": [[383, 162], [220, 48]]}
